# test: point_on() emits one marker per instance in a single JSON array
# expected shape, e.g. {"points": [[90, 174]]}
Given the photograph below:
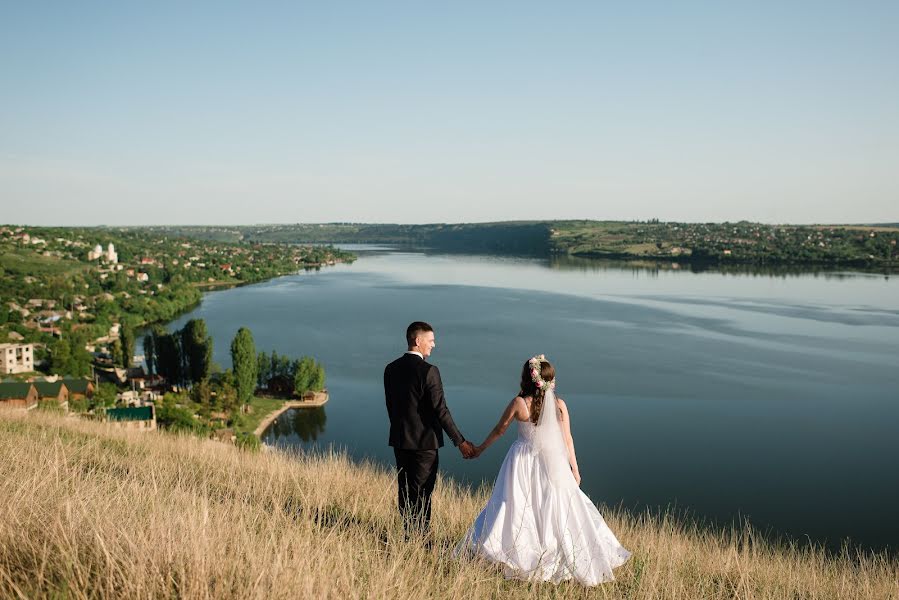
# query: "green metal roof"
{"points": [[48, 389], [13, 391], [131, 413], [77, 386]]}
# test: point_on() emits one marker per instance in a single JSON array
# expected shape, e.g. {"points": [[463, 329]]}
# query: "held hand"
{"points": [[467, 450]]}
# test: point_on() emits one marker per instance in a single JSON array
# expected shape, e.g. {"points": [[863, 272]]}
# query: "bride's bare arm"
{"points": [[565, 423], [516, 409]]}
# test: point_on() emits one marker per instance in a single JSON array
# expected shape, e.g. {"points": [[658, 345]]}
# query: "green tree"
{"points": [[285, 367], [225, 394], [201, 393], [80, 359], [196, 345], [117, 353], [318, 378], [150, 353], [60, 357], [308, 376], [168, 356], [273, 371], [104, 395], [127, 337], [243, 359], [264, 368]]}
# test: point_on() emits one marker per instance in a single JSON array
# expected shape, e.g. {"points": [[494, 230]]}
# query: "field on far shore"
{"points": [[95, 512]]}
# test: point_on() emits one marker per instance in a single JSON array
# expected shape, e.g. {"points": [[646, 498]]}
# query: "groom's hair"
{"points": [[414, 329]]}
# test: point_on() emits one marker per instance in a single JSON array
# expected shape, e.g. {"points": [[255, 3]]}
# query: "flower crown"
{"points": [[534, 363]]}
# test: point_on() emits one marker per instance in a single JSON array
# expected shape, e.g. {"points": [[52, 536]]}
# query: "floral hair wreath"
{"points": [[534, 363]]}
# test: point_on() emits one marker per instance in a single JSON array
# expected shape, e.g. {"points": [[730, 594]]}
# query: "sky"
{"points": [[422, 112]]}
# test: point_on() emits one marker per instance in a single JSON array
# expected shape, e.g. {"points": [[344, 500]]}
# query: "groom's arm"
{"points": [[434, 389]]}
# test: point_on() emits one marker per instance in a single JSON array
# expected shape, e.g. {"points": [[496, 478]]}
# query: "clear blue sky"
{"points": [[219, 112]]}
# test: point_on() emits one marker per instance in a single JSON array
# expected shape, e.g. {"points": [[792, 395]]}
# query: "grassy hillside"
{"points": [[32, 263], [90, 512]]}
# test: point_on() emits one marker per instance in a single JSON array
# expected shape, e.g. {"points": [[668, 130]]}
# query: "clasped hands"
{"points": [[469, 450]]}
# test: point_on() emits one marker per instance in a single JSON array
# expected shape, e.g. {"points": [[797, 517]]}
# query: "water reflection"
{"points": [[296, 424], [653, 267]]}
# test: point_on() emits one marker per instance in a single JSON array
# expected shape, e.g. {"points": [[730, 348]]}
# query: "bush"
{"points": [[248, 441], [81, 405], [176, 418]]}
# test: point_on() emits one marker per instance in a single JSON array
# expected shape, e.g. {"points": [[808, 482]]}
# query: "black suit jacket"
{"points": [[416, 405]]}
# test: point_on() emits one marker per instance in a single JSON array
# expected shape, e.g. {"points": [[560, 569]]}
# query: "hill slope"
{"points": [[101, 513]]}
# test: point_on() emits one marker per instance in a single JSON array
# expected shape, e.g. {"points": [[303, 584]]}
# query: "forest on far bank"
{"points": [[744, 242]]}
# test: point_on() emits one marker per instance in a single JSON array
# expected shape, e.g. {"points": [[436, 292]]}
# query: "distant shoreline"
{"points": [[874, 246]]}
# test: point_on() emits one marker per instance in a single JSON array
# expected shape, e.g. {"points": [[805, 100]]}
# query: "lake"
{"points": [[772, 397]]}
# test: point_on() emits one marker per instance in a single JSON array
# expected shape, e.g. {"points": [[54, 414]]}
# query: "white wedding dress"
{"points": [[538, 524]]}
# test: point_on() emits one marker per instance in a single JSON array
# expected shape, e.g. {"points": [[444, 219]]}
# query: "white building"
{"points": [[110, 255], [16, 358]]}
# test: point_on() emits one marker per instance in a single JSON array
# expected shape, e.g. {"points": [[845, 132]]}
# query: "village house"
{"points": [[111, 374], [41, 303], [19, 309], [16, 358], [150, 396], [52, 391], [79, 389], [18, 395], [128, 398]]}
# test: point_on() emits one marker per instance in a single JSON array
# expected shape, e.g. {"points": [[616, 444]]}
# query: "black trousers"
{"points": [[415, 478]]}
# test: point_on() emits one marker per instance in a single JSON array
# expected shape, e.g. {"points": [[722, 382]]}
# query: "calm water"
{"points": [[771, 397]]}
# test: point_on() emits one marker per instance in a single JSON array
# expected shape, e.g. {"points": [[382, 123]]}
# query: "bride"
{"points": [[538, 524]]}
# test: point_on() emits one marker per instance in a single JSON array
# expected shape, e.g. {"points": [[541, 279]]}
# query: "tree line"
{"points": [[184, 358]]}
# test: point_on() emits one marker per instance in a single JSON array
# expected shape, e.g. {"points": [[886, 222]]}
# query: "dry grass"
{"points": [[91, 512]]}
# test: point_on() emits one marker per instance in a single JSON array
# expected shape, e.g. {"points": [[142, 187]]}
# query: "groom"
{"points": [[418, 418]]}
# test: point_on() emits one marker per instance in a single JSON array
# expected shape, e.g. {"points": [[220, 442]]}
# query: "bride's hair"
{"points": [[529, 388]]}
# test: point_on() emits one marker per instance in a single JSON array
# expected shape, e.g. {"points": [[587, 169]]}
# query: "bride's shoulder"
{"points": [[521, 407]]}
